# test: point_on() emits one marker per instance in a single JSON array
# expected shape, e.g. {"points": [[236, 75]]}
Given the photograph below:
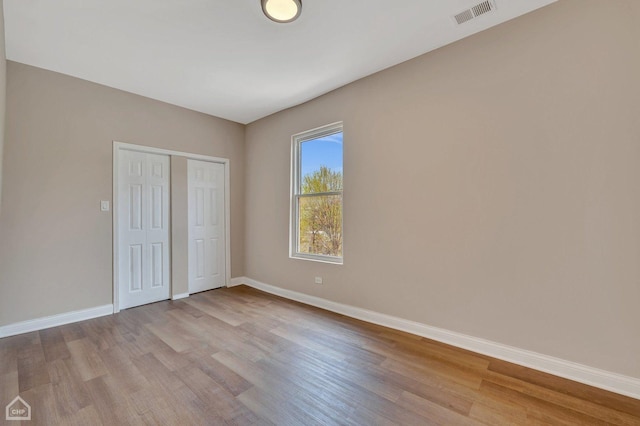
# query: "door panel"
{"points": [[156, 207], [135, 207], [135, 267], [157, 265], [143, 216], [206, 229]]}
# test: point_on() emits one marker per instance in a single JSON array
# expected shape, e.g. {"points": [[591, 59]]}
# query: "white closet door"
{"points": [[143, 216], [206, 225]]}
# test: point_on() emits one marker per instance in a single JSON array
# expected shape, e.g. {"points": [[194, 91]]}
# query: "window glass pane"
{"points": [[320, 224], [321, 164]]}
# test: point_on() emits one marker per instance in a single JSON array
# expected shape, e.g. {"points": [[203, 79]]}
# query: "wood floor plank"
{"points": [[53, 344], [275, 409], [498, 413], [362, 416], [86, 359], [214, 396], [267, 380], [216, 311], [9, 388], [388, 384], [72, 331], [232, 338], [264, 339], [223, 376], [68, 387], [145, 342], [239, 356], [350, 349], [44, 408], [171, 359], [111, 406], [559, 384], [472, 380], [171, 335], [157, 374], [32, 366], [9, 357], [122, 370], [433, 413], [83, 417], [333, 392], [365, 378], [299, 338], [538, 409], [562, 399]]}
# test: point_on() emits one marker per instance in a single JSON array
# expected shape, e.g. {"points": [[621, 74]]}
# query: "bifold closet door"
{"points": [[143, 228], [206, 188]]}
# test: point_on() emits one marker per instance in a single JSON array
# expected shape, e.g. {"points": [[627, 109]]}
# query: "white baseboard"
{"points": [[236, 281], [179, 296], [624, 385], [55, 320]]}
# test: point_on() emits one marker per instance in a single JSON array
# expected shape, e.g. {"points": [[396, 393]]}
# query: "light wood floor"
{"points": [[239, 356]]}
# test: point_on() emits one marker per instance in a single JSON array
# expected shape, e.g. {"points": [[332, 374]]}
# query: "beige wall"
{"points": [[491, 187], [179, 226], [55, 244], [3, 90]]}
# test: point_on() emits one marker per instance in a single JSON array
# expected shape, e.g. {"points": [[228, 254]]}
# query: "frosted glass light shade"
{"points": [[282, 10]]}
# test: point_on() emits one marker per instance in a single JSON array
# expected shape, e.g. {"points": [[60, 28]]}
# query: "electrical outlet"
{"points": [[318, 280]]}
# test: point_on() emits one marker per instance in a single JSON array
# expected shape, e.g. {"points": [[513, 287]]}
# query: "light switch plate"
{"points": [[104, 206]]}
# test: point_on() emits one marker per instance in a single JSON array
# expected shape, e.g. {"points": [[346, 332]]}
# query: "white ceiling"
{"points": [[224, 57]]}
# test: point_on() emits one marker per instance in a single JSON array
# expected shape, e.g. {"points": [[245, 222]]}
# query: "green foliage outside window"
{"points": [[321, 215]]}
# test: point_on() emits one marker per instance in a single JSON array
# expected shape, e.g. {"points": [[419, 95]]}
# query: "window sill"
{"points": [[316, 258]]}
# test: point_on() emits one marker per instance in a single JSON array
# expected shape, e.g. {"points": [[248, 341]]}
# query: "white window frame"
{"points": [[296, 142]]}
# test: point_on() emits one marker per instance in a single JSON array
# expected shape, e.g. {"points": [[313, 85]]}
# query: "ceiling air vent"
{"points": [[477, 10]]}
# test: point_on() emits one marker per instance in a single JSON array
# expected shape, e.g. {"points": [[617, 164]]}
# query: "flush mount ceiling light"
{"points": [[282, 11]]}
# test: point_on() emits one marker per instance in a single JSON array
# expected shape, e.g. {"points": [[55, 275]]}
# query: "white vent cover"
{"points": [[477, 10]]}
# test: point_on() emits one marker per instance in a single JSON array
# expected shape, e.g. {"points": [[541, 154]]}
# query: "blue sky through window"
{"points": [[325, 151]]}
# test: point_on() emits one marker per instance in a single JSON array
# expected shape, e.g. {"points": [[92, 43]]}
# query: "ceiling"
{"points": [[224, 57]]}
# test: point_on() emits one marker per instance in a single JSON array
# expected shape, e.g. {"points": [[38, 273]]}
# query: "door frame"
{"points": [[120, 146]]}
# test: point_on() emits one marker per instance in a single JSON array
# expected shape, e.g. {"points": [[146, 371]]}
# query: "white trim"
{"points": [[154, 150], [55, 320], [236, 281], [227, 221], [114, 227], [180, 296], [618, 383], [117, 146]]}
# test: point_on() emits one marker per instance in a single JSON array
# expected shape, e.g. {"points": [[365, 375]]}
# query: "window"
{"points": [[316, 199]]}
